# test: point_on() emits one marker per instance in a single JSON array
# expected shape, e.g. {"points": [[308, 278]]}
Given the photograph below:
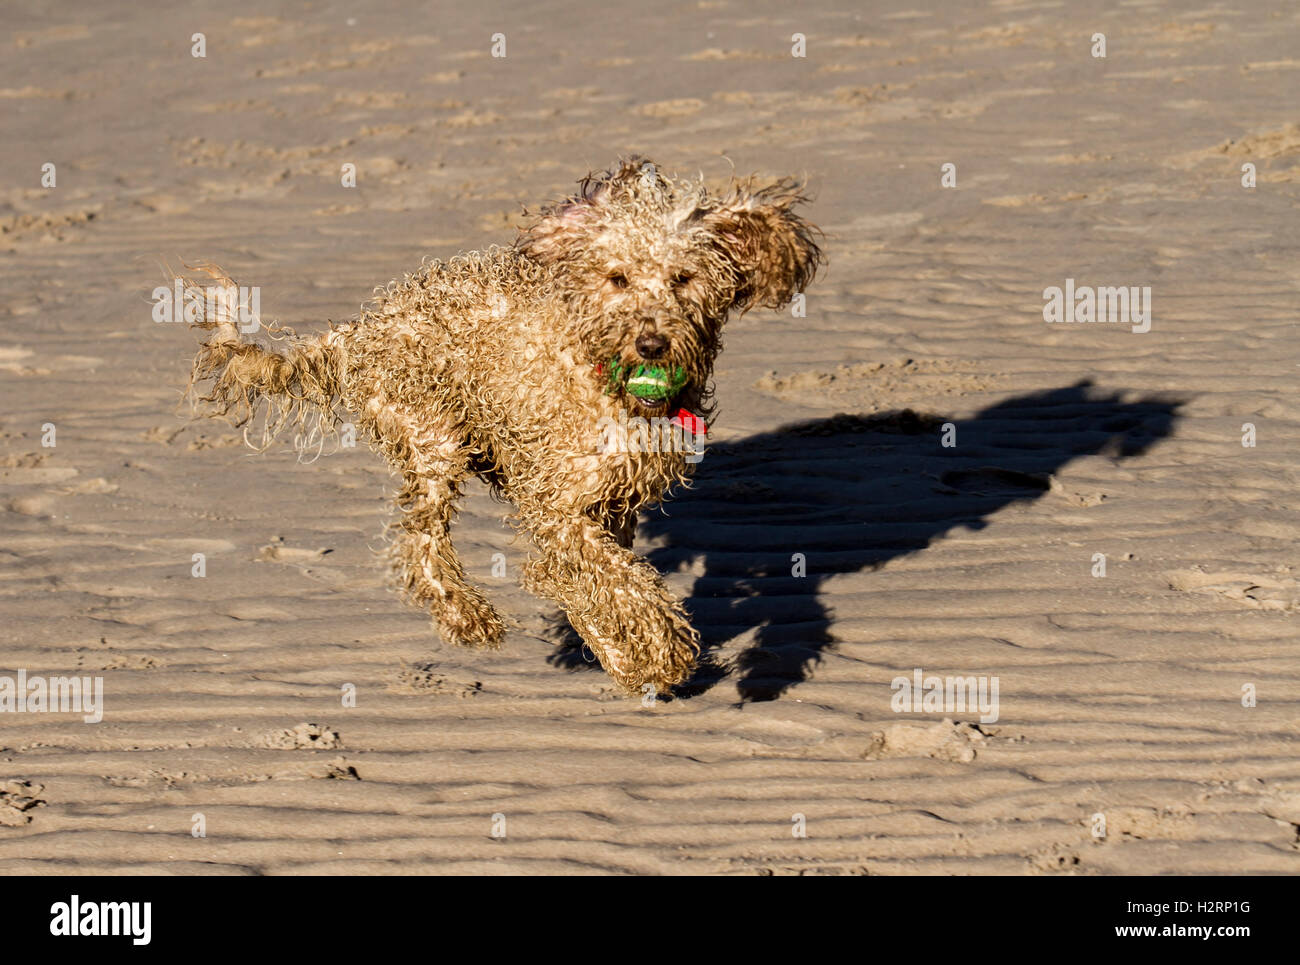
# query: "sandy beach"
{"points": [[921, 478]]}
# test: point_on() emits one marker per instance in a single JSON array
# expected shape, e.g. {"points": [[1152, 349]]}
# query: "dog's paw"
{"points": [[654, 668], [470, 622]]}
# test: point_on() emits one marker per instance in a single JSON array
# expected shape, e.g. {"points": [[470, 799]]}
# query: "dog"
{"points": [[513, 363]]}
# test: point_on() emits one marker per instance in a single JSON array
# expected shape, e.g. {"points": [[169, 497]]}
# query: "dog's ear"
{"points": [[560, 230], [771, 249], [564, 227], [632, 174]]}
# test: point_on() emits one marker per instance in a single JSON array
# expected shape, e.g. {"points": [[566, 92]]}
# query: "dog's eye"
{"points": [[619, 281], [682, 280]]}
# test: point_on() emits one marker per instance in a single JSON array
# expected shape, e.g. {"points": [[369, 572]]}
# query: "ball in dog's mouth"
{"points": [[654, 386], [651, 387]]}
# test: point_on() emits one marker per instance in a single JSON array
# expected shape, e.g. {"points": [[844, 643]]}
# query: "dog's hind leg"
{"points": [[425, 564], [616, 601]]}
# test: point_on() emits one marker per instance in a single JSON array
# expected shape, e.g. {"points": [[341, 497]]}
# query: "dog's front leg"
{"points": [[428, 571], [616, 601]]}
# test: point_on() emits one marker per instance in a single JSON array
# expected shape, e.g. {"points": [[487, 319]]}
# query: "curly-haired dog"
{"points": [[513, 363]]}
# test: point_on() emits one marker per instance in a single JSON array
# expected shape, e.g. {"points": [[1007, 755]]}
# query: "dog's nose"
{"points": [[651, 345]]}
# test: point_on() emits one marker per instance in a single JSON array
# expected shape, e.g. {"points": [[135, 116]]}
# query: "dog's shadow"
{"points": [[772, 516]]}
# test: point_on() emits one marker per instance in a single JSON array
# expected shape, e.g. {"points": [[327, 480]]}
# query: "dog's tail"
{"points": [[256, 389]]}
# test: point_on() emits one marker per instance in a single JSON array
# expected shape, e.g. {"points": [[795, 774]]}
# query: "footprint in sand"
{"points": [[304, 736], [424, 678], [943, 740], [875, 384], [1057, 859], [1278, 591], [279, 553], [17, 800], [19, 230]]}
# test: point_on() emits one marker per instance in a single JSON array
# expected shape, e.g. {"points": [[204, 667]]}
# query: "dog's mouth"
{"points": [[650, 386], [652, 406], [652, 389]]}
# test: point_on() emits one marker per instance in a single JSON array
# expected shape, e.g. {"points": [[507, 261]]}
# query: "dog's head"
{"points": [[652, 268]]}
